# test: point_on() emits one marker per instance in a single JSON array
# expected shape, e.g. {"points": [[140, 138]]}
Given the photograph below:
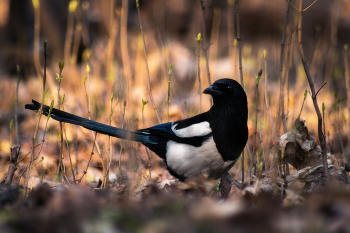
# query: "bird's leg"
{"points": [[226, 183]]}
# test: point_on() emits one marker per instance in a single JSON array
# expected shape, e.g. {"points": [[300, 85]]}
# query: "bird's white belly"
{"points": [[189, 161]]}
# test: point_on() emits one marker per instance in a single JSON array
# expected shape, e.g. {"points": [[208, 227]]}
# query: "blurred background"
{"points": [[106, 36]]}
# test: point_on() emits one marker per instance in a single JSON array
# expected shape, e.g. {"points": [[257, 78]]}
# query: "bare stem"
{"points": [[239, 44], [347, 84], [27, 153], [88, 98], [257, 79], [147, 69], [198, 39], [313, 96], [283, 116], [121, 142], [143, 126], [339, 133], [16, 108], [69, 155], [256, 125], [61, 165], [266, 100], [36, 50], [37, 125], [205, 48], [87, 167]]}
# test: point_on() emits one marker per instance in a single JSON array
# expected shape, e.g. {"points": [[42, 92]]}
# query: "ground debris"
{"points": [[300, 148]]}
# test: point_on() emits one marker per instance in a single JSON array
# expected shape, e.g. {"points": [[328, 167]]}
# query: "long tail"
{"points": [[62, 116]]}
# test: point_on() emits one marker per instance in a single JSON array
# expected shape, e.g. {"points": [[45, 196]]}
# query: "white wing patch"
{"points": [[199, 129], [189, 161]]}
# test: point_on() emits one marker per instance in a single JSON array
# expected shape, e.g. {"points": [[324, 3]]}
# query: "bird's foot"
{"points": [[226, 184]]}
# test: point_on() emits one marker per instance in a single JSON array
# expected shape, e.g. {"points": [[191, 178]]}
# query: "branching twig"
{"points": [[321, 88], [87, 167], [37, 126], [27, 154], [146, 63], [45, 130], [67, 144], [292, 5], [312, 87]]}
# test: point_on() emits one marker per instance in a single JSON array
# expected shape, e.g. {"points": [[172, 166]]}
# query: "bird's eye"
{"points": [[229, 88]]}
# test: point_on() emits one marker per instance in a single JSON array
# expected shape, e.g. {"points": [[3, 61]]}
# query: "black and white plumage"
{"points": [[209, 143]]}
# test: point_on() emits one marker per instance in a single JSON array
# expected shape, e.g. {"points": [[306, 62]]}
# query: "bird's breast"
{"points": [[189, 161]]}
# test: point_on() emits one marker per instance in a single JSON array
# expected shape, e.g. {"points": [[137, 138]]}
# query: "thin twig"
{"points": [[143, 126], [290, 36], [87, 167], [43, 140], [321, 88], [124, 45], [293, 6], [239, 43], [171, 66], [284, 122], [312, 87], [59, 79], [266, 100], [37, 126], [121, 142], [27, 154], [302, 106], [257, 79], [310, 5], [146, 63], [88, 105], [202, 3], [198, 39], [36, 41], [339, 132], [347, 84], [69, 32], [66, 138], [16, 108]]}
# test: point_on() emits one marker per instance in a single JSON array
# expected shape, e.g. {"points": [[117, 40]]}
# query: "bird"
{"points": [[206, 144]]}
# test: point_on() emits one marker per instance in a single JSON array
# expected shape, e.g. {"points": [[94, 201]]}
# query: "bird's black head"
{"points": [[227, 92]]}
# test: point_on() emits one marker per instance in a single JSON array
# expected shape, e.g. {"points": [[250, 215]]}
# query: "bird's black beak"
{"points": [[213, 90]]}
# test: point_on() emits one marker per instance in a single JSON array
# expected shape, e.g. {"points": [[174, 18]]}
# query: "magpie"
{"points": [[209, 143]]}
